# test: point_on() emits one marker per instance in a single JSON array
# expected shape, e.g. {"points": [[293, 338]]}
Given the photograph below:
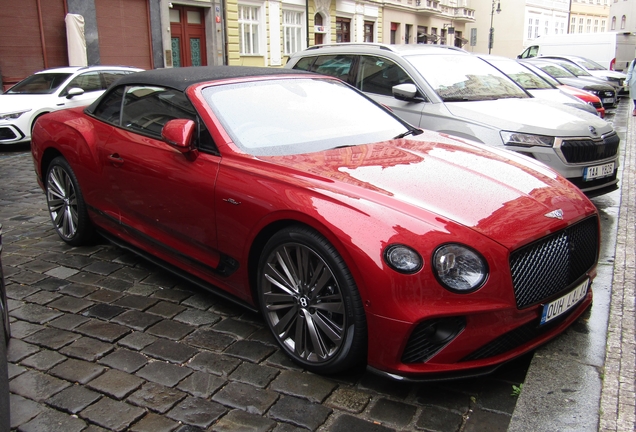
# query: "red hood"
{"points": [[497, 193]]}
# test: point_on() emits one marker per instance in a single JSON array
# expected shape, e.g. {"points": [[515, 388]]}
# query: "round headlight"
{"points": [[403, 259], [459, 268]]}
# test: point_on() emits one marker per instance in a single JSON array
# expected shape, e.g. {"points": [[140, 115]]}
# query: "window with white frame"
{"points": [[292, 31], [623, 19], [530, 28], [536, 28], [248, 21]]}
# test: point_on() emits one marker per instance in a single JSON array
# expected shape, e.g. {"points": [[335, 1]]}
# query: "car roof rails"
{"points": [[348, 44]]}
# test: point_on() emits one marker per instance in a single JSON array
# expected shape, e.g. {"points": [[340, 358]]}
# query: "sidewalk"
{"points": [[584, 381], [617, 397]]}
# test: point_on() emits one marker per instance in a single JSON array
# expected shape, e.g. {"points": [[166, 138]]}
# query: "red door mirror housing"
{"points": [[179, 133]]}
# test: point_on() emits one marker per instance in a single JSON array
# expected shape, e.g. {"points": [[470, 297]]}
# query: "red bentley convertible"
{"points": [[358, 237]]}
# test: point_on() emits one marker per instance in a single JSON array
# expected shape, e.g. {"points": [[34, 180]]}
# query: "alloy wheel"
{"points": [[62, 201], [304, 303]]}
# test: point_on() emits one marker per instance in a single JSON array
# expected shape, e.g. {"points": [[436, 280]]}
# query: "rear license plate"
{"points": [[598, 171], [608, 100], [563, 304]]}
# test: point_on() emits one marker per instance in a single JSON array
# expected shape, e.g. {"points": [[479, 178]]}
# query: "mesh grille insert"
{"points": [[550, 265]]}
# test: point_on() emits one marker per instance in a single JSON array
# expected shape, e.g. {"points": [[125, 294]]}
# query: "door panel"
{"points": [[163, 197]]}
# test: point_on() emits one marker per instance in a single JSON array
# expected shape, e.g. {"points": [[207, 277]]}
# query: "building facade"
{"points": [[622, 16], [589, 16], [162, 33]]}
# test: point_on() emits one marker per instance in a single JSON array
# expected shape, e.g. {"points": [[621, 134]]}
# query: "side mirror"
{"points": [[405, 92], [179, 133], [75, 91]]}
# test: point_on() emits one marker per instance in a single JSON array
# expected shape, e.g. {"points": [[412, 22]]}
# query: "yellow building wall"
{"points": [[233, 45]]}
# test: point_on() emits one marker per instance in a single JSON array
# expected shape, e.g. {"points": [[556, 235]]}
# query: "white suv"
{"points": [[449, 90], [51, 90]]}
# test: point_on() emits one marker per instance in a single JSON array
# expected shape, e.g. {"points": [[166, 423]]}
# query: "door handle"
{"points": [[115, 160]]}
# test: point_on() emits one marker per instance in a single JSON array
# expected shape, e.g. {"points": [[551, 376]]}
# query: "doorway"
{"points": [[187, 27]]}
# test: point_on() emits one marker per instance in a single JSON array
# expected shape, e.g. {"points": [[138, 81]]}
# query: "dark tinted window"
{"points": [[41, 83], [304, 63], [147, 109], [378, 75], [338, 66], [109, 108], [110, 77], [88, 82]]}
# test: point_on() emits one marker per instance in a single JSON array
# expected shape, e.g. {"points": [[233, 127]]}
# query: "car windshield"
{"points": [[464, 78], [574, 69], [519, 74], [294, 116], [590, 65], [541, 74], [556, 71], [42, 83]]}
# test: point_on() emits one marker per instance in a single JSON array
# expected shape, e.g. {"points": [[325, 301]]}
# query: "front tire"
{"points": [[66, 204], [310, 301]]}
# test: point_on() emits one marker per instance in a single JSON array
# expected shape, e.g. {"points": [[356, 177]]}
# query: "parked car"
{"points": [[605, 92], [5, 334], [585, 96], [451, 91], [355, 234], [51, 90], [614, 78], [538, 86]]}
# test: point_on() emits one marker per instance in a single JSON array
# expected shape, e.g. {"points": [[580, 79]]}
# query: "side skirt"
{"points": [[177, 271]]}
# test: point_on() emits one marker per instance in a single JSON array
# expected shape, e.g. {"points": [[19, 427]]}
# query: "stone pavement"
{"points": [[617, 406], [103, 340]]}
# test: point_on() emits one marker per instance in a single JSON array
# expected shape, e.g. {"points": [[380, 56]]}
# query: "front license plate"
{"points": [[563, 304], [598, 171], [608, 100]]}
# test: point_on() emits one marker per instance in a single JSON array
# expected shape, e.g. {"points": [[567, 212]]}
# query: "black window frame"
{"points": [[203, 141]]}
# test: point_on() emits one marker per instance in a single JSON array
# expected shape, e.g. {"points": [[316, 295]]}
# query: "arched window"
{"points": [[319, 30], [623, 19], [613, 24]]}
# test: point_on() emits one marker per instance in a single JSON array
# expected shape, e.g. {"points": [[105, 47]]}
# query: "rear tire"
{"points": [[66, 204], [310, 301]]}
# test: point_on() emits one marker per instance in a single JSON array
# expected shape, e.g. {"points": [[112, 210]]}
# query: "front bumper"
{"points": [[12, 134], [507, 334], [572, 155]]}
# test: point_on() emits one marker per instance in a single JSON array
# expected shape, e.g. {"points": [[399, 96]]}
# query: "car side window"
{"points": [[109, 108], [109, 77], [304, 63], [339, 66], [88, 82], [378, 75], [146, 109]]}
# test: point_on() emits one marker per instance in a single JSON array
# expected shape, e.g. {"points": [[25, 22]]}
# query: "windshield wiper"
{"points": [[413, 131]]}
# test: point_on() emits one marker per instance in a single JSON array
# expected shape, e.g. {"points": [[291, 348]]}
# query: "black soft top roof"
{"points": [[182, 78]]}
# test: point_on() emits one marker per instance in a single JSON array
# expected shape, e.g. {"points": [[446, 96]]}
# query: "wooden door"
{"points": [[187, 27]]}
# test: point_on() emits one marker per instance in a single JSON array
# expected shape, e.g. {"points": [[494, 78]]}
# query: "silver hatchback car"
{"points": [[449, 90]]}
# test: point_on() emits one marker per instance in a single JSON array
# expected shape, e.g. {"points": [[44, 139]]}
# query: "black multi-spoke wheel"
{"points": [[66, 204], [310, 301]]}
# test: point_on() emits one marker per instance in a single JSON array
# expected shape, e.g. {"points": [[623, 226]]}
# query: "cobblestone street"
{"points": [[102, 339]]}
